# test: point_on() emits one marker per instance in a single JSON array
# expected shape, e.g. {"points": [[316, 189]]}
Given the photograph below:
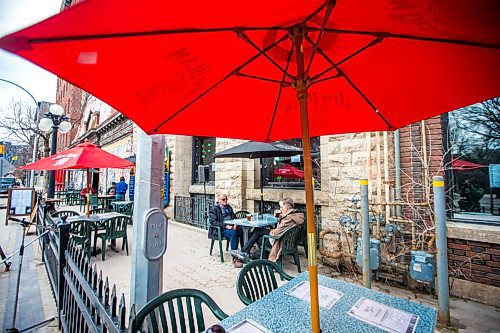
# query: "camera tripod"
{"points": [[25, 226]]}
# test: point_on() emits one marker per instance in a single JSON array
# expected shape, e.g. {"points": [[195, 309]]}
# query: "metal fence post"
{"points": [[64, 230], [365, 233], [442, 252]]}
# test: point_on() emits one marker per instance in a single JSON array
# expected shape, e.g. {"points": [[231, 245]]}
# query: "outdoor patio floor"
{"points": [[187, 264]]}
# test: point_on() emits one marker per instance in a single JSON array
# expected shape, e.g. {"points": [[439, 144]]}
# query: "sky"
{"points": [[15, 15]]}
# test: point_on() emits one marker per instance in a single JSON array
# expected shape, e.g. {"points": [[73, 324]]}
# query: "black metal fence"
{"points": [[85, 300], [193, 210], [89, 303]]}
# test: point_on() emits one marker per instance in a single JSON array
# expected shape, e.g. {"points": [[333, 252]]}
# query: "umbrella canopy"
{"points": [[254, 149], [353, 65], [83, 156], [289, 171], [461, 165], [260, 150]]}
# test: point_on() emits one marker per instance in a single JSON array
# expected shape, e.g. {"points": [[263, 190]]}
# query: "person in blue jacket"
{"points": [[121, 189]]}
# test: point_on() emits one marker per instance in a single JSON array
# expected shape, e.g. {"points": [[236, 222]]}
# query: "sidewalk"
{"points": [[36, 301]]}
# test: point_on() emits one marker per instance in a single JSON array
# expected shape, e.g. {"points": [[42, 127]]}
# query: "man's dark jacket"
{"points": [[216, 218]]}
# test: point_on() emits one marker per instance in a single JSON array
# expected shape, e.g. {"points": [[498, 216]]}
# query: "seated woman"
{"points": [[290, 217], [83, 193]]}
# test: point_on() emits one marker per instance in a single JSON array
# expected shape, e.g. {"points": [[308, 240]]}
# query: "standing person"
{"points": [[219, 213], [121, 189], [290, 217], [112, 189]]}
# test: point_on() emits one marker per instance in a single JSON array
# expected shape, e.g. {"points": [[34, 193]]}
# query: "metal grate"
{"points": [[193, 210]]}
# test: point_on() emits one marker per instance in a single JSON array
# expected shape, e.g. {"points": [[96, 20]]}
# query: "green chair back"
{"points": [[178, 310], [114, 228], [241, 214], [94, 201], [289, 241], [98, 211], [67, 213], [257, 279]]}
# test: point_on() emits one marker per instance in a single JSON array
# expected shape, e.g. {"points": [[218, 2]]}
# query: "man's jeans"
{"points": [[120, 197], [233, 237]]}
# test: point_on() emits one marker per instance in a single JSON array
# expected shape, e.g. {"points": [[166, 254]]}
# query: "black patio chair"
{"points": [[179, 310], [219, 239], [257, 279], [115, 228]]}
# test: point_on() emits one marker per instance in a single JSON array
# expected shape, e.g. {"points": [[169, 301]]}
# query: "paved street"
{"points": [[187, 264]]}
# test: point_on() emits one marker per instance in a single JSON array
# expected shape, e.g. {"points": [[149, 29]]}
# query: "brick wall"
{"points": [[474, 261]]}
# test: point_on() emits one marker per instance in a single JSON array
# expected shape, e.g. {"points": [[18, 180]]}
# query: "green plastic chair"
{"points": [[219, 239], [257, 279], [115, 228], [98, 211], [289, 240], [79, 232], [241, 214], [66, 213], [179, 310]]}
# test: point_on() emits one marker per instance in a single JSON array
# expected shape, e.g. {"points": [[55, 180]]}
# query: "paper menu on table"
{"points": [[383, 316], [248, 326], [327, 296]]}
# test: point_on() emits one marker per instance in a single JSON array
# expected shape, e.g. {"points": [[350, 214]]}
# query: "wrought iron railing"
{"points": [[89, 303], [193, 210]]}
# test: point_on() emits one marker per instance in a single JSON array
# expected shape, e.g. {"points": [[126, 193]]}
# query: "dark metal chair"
{"points": [[98, 211], [289, 240], [257, 279], [175, 311]]}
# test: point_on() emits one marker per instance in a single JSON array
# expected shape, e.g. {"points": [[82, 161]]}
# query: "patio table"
{"points": [[264, 220], [118, 205], [280, 312], [105, 199]]}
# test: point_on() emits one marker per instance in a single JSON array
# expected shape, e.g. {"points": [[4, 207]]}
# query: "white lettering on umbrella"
{"points": [[62, 161]]}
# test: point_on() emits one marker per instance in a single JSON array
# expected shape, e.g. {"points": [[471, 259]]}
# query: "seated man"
{"points": [[290, 217], [219, 213]]}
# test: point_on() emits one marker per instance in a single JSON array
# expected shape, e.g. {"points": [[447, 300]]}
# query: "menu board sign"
{"points": [[20, 202]]}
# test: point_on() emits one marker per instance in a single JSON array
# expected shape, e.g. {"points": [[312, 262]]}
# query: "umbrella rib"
{"points": [[243, 36], [262, 78], [365, 98], [418, 38], [147, 33], [352, 55], [342, 73], [328, 78], [329, 8], [234, 72], [278, 98]]}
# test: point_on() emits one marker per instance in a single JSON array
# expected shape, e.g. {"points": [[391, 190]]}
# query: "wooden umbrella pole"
{"points": [[88, 192], [301, 85]]}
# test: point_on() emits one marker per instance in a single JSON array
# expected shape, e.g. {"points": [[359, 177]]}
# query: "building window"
{"points": [[203, 154], [289, 171], [474, 148]]}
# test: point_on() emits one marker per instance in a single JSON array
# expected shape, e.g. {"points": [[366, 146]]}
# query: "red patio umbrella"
{"points": [[83, 156], [461, 165], [289, 171], [235, 69]]}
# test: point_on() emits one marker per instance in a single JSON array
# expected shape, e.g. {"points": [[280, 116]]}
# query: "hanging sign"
{"points": [[166, 187]]}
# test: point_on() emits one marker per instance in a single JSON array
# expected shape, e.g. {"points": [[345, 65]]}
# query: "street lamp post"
{"points": [[54, 120]]}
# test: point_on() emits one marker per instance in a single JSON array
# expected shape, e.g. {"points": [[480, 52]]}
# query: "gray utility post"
{"points": [[441, 252], [365, 233], [150, 170]]}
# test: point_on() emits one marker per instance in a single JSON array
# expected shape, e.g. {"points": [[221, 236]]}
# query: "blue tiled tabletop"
{"points": [[281, 313], [264, 221]]}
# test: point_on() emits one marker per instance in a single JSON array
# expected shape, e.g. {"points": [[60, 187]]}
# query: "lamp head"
{"points": [[45, 124], [56, 110], [64, 126]]}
